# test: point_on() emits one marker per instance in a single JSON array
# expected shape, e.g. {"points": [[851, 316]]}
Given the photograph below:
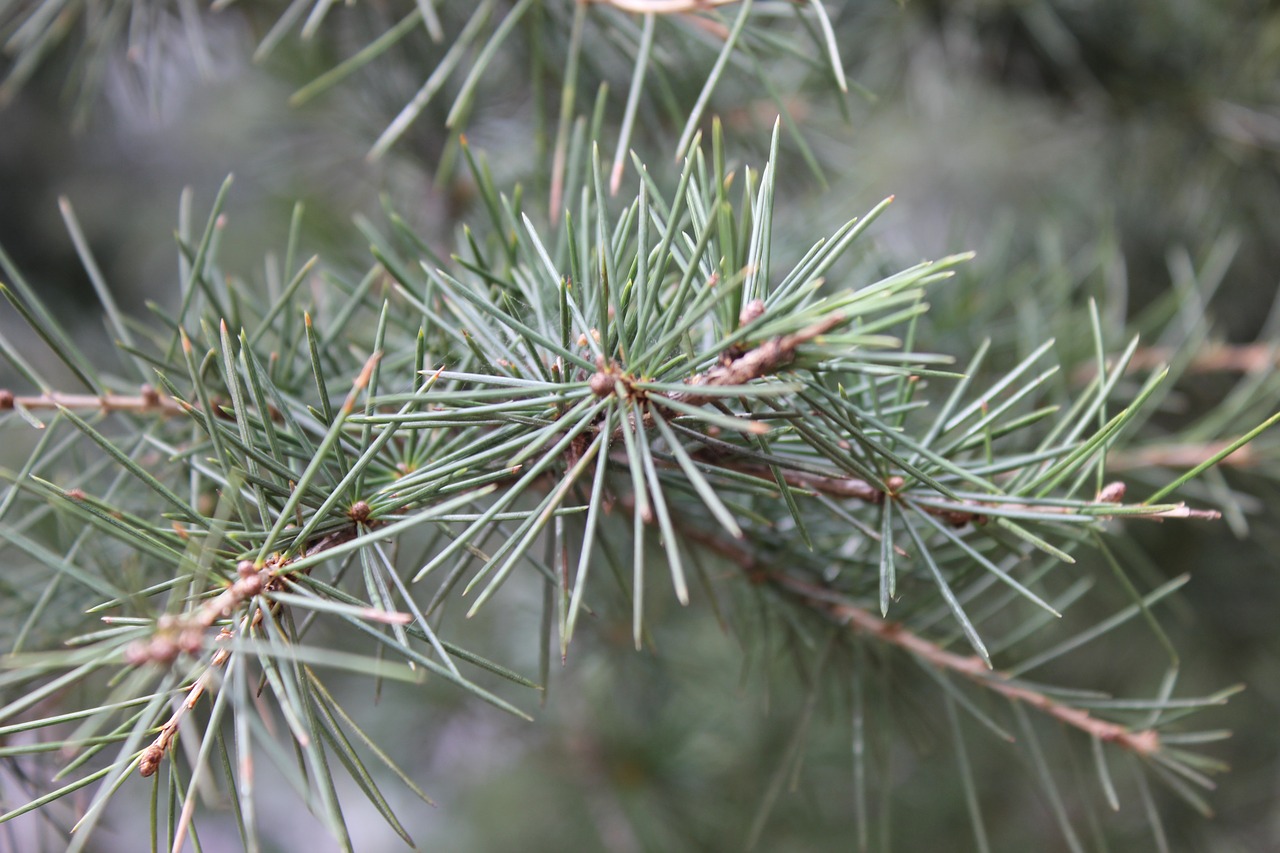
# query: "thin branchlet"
{"points": [[147, 401], [186, 634], [761, 360], [834, 605]]}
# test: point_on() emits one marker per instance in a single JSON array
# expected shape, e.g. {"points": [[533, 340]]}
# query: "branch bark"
{"points": [[187, 634], [147, 401], [971, 667]]}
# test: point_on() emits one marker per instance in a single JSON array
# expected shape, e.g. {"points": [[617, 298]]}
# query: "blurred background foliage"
{"points": [[1084, 148]]}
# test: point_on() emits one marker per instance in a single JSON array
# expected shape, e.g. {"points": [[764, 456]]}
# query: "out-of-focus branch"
{"points": [[663, 7], [1210, 358], [1181, 456], [147, 401]]}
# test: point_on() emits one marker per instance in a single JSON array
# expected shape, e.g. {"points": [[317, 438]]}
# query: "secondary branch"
{"points": [[864, 622]]}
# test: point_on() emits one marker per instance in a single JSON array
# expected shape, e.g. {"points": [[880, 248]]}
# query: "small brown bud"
{"points": [[150, 396], [150, 761], [751, 311], [601, 384], [244, 568], [1112, 493], [6, 399], [359, 512]]}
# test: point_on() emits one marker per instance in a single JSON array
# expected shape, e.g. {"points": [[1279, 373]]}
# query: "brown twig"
{"points": [[187, 634], [956, 513], [972, 667], [1210, 358], [975, 512], [150, 401], [151, 757], [147, 401], [1182, 456], [761, 360], [737, 367], [836, 487]]}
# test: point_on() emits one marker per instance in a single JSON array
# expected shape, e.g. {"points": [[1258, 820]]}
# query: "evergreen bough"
{"points": [[618, 388]]}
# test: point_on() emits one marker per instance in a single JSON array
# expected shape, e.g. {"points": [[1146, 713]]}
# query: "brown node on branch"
{"points": [[359, 512], [191, 641], [601, 383], [606, 379], [149, 763]]}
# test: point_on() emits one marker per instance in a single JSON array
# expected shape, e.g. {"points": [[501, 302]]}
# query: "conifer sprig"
{"points": [[641, 358], [610, 397]]}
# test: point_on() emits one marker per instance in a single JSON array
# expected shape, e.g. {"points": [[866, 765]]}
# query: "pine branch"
{"points": [[1210, 358], [1183, 456], [761, 360], [187, 634], [147, 401], [961, 513], [655, 353], [1142, 742]]}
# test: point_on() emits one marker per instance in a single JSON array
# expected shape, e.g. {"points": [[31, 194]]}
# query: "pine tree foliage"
{"points": [[624, 388]]}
